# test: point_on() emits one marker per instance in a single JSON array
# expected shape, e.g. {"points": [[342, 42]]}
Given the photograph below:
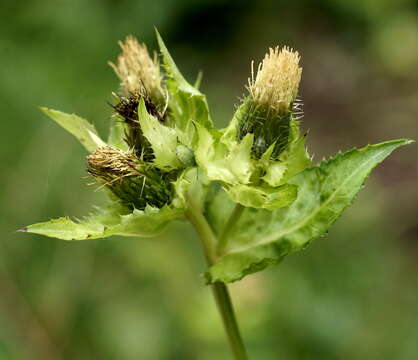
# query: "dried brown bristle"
{"points": [[107, 162], [138, 72], [135, 183], [127, 109]]}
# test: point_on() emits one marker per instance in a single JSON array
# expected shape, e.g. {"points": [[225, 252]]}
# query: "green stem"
{"points": [[223, 301], [220, 291], [232, 220], [204, 232]]}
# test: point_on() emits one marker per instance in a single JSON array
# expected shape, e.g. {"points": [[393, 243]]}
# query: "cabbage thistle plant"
{"points": [[249, 190]]}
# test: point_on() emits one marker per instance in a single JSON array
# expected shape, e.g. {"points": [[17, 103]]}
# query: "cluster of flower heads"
{"points": [[263, 127], [129, 174], [164, 160]]}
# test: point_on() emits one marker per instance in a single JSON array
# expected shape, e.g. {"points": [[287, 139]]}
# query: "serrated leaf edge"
{"points": [[273, 238]]}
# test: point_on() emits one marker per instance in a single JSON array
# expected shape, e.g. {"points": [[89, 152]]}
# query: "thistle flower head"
{"points": [[277, 81], [112, 164], [133, 182], [271, 105], [127, 109], [137, 72]]}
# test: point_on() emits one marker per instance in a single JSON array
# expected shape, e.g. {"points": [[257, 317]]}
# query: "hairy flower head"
{"points": [[271, 104], [136, 184], [277, 81], [127, 109], [138, 72], [109, 163]]}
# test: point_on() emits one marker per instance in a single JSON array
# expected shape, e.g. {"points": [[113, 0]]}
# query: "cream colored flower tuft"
{"points": [[277, 81], [128, 179], [111, 164], [137, 71]]}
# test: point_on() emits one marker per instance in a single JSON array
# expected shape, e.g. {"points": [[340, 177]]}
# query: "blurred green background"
{"points": [[352, 295]]}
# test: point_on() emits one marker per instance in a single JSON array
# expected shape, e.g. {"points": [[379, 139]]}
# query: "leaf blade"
{"points": [[187, 104], [163, 139], [117, 134], [84, 131], [324, 192], [112, 220]]}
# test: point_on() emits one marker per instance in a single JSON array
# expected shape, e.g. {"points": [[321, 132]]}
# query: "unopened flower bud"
{"points": [[139, 73], [267, 110], [127, 109], [133, 182]]}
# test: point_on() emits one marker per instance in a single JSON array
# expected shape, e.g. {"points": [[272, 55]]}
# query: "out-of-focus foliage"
{"points": [[352, 295]]}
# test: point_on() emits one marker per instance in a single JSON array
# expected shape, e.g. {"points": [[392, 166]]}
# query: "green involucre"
{"points": [[251, 181]]}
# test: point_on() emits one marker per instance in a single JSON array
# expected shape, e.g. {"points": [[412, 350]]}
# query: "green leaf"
{"points": [[232, 165], [217, 206], [79, 127], [187, 104], [251, 182], [191, 184], [185, 155], [117, 134], [262, 237], [292, 160], [263, 197], [113, 220], [162, 139], [198, 80], [224, 159], [230, 132]]}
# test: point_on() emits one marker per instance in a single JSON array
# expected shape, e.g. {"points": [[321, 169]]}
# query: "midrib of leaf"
{"points": [[275, 237]]}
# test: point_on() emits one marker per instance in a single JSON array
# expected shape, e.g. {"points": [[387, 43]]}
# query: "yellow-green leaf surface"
{"points": [[117, 134], [231, 165], [187, 104], [263, 237], [263, 197], [192, 184], [84, 131], [114, 220], [162, 139], [225, 159], [292, 160]]}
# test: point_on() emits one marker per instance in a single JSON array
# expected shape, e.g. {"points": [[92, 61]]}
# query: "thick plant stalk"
{"points": [[220, 291]]}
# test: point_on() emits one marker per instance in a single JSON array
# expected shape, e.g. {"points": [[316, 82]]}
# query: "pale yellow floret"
{"points": [[137, 71], [110, 161], [277, 81]]}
